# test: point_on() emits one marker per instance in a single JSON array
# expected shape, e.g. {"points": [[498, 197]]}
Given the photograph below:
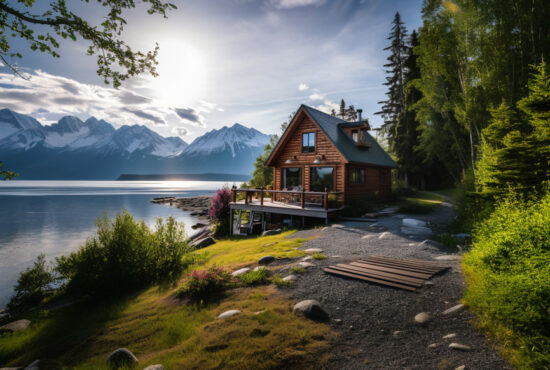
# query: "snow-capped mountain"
{"points": [[20, 132], [228, 150], [94, 149]]}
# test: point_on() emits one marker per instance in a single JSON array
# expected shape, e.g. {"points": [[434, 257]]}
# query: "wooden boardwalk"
{"points": [[407, 274]]}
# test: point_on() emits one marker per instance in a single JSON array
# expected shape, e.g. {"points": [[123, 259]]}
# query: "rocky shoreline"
{"points": [[198, 206]]}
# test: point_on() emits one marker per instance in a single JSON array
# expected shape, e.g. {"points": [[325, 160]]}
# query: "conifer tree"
{"points": [[394, 106], [342, 112], [351, 114]]}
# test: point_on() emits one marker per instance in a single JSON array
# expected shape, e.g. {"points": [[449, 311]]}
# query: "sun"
{"points": [[182, 74]]}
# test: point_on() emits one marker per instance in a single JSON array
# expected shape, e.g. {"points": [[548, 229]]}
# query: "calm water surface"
{"points": [[55, 217]]}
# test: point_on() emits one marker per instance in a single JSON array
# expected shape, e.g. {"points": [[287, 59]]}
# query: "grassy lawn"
{"points": [[159, 328], [420, 202]]}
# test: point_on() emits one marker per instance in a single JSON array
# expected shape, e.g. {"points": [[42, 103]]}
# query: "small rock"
{"points": [[313, 250], [198, 225], [325, 228], [307, 258], [461, 367], [338, 226], [384, 235], [336, 256], [311, 309], [229, 313], [430, 243], [290, 278], [434, 345], [423, 318], [266, 260], [447, 258], [429, 283], [366, 236], [449, 336], [202, 243], [272, 232], [397, 333], [306, 264], [238, 272], [154, 367], [14, 326], [337, 321], [35, 365], [460, 347], [121, 357], [453, 309], [258, 312]]}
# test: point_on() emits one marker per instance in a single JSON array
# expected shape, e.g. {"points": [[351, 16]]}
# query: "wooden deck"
{"points": [[270, 206]]}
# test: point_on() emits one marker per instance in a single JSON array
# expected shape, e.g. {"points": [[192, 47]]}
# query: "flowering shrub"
{"points": [[219, 209], [203, 284]]}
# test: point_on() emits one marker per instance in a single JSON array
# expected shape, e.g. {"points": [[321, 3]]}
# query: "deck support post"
{"points": [[326, 220], [303, 220], [263, 222], [239, 220], [251, 222], [325, 199], [303, 198], [262, 196], [231, 226]]}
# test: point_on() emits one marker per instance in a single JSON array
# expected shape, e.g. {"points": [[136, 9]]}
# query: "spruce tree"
{"points": [[351, 114], [342, 112], [394, 106]]}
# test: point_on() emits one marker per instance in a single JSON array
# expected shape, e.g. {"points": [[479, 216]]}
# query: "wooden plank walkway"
{"points": [[407, 274]]}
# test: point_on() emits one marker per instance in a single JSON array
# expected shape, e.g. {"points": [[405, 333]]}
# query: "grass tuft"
{"points": [[318, 256], [297, 270]]}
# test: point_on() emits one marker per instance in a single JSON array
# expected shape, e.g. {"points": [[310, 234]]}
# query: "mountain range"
{"points": [[94, 149]]}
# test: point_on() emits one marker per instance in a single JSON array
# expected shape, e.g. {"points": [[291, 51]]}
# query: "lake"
{"points": [[55, 217]]}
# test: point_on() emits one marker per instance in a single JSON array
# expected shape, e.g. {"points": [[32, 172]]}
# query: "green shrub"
{"points": [[123, 255], [278, 280], [297, 270], [204, 285], [32, 285], [508, 275], [412, 207], [254, 277], [318, 256]]}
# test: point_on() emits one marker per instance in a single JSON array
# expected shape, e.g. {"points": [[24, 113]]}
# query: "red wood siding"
{"points": [[377, 183]]}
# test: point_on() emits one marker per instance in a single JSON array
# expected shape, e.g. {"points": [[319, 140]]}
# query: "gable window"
{"points": [[321, 178], [355, 135], [357, 175], [292, 178], [308, 142]]}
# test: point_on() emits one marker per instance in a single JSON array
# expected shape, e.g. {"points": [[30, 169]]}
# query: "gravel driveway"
{"points": [[377, 328]]}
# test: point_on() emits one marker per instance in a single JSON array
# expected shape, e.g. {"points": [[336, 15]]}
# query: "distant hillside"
{"points": [[72, 149]]}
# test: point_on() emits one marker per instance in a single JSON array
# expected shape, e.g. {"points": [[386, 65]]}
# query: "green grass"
{"points": [[419, 203], [318, 256], [160, 328], [297, 270], [278, 280], [255, 277]]}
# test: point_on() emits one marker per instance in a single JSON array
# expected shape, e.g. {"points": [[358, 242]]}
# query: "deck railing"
{"points": [[325, 199]]}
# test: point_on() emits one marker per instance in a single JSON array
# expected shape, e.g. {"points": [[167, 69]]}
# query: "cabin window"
{"points": [[292, 178], [308, 142], [357, 175], [321, 178], [355, 135]]}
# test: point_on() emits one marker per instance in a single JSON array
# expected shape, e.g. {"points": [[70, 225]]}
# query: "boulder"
{"points": [[311, 309], [229, 313], [411, 222], [460, 347], [313, 250], [199, 234], [449, 336], [202, 243], [272, 232], [154, 367], [458, 307], [238, 272], [122, 357], [14, 326], [266, 260], [423, 318], [35, 365], [290, 278], [306, 264], [307, 258]]}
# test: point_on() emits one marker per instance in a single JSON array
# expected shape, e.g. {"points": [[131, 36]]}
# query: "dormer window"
{"points": [[308, 142], [355, 135]]}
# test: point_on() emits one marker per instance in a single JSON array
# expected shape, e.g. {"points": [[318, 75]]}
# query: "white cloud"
{"points": [[316, 96], [303, 87], [46, 95], [327, 106], [289, 4], [180, 131]]}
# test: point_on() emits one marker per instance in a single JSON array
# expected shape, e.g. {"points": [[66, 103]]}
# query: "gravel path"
{"points": [[377, 328]]}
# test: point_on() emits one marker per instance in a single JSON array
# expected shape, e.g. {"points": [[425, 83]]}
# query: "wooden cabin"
{"points": [[320, 164], [319, 151]]}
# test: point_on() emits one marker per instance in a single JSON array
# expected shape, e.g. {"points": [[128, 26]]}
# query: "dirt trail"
{"points": [[377, 328]]}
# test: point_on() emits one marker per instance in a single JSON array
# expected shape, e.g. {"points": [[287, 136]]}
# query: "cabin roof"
{"points": [[331, 126]]}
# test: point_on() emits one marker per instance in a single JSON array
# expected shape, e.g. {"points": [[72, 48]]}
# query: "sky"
{"points": [[221, 62]]}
